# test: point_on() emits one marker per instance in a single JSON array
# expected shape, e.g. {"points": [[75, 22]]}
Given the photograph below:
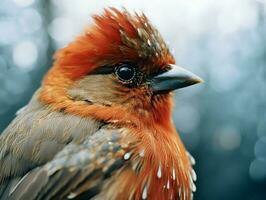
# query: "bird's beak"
{"points": [[175, 78]]}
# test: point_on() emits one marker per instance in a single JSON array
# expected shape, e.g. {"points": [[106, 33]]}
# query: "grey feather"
{"points": [[36, 135], [49, 155], [52, 155], [77, 169]]}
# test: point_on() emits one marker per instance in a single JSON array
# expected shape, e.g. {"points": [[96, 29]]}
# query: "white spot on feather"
{"points": [[194, 175], [179, 192], [192, 160], [141, 153], [72, 195], [114, 121], [139, 32], [159, 172], [174, 174], [149, 42], [168, 184], [145, 192], [193, 187], [127, 156]]}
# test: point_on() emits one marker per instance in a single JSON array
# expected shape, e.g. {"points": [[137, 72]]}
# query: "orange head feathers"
{"points": [[117, 38]]}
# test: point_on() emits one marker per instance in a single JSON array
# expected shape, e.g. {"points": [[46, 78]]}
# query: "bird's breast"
{"points": [[157, 167]]}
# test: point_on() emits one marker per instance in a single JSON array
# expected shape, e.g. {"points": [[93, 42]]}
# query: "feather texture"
{"points": [[90, 136]]}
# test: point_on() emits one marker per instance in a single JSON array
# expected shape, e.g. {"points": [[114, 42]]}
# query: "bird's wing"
{"points": [[36, 135], [76, 172]]}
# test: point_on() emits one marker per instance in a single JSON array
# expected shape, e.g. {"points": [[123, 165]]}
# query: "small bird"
{"points": [[100, 125]]}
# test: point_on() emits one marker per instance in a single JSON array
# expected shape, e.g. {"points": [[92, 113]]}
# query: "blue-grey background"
{"points": [[222, 122]]}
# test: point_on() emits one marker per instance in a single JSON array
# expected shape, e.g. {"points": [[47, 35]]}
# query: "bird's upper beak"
{"points": [[175, 78]]}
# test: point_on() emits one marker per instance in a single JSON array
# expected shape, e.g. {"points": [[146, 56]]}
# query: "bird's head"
{"points": [[120, 66]]}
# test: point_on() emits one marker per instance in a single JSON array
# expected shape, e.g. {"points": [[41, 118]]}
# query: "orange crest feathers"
{"points": [[115, 36]]}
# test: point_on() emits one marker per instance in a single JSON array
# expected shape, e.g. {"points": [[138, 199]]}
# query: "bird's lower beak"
{"points": [[175, 78]]}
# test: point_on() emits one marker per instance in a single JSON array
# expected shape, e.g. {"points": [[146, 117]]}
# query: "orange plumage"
{"points": [[132, 95]]}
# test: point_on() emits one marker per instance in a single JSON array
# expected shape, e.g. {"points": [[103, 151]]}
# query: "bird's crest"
{"points": [[116, 36]]}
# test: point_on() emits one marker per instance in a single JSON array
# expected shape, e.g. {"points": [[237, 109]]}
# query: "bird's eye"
{"points": [[125, 72]]}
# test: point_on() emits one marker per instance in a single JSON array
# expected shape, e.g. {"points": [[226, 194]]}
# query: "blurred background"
{"points": [[222, 122]]}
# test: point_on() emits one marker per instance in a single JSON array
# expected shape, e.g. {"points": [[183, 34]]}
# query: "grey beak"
{"points": [[175, 78]]}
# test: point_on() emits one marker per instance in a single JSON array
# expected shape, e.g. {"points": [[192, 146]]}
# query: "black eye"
{"points": [[126, 72]]}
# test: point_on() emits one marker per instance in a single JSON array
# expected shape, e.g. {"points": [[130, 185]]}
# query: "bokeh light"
{"points": [[9, 32], [24, 3], [258, 170], [25, 54], [29, 20], [62, 30]]}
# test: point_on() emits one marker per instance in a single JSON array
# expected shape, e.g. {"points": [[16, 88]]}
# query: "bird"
{"points": [[100, 125]]}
